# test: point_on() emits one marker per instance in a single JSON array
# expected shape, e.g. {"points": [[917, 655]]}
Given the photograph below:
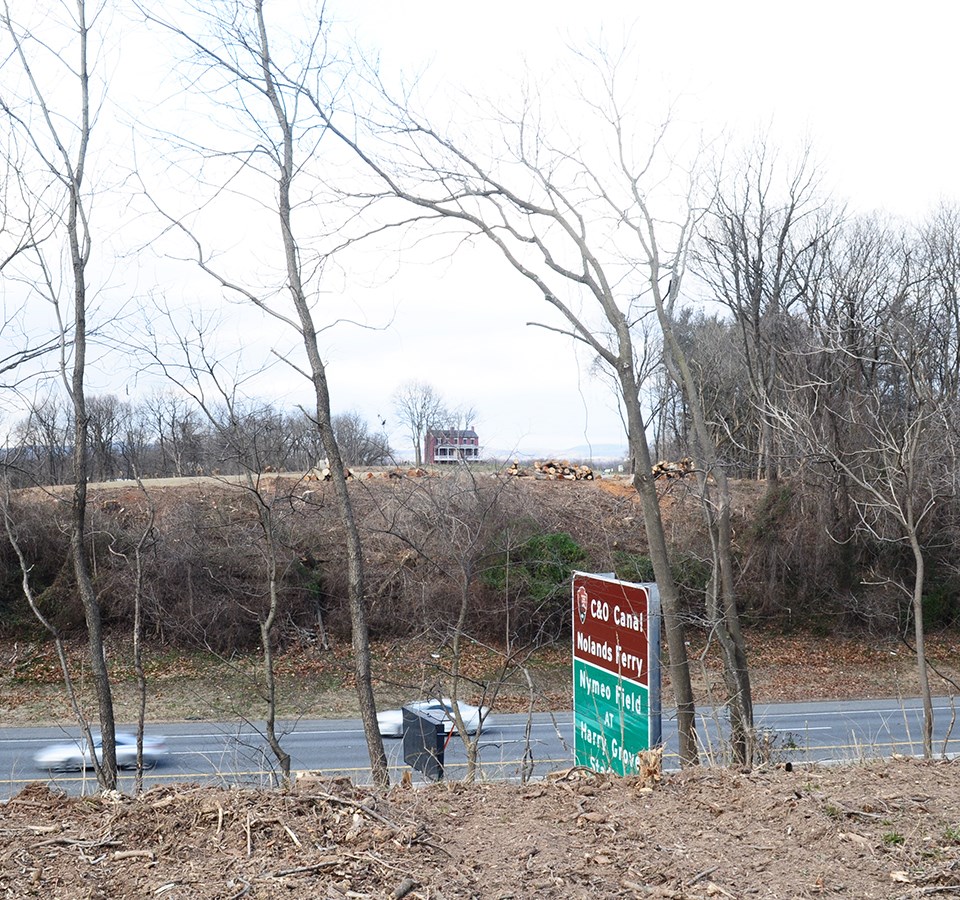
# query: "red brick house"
{"points": [[449, 445]]}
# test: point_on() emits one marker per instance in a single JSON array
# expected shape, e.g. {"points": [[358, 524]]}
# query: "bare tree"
{"points": [[722, 614], [448, 527], [106, 421], [246, 436], [44, 438], [359, 445], [145, 540], [175, 428], [883, 419], [60, 139], [233, 49], [760, 245], [134, 443], [306, 448], [762, 250], [458, 418], [574, 220], [420, 408], [26, 567]]}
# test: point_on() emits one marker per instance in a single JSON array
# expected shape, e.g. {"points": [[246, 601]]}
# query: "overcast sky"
{"points": [[871, 85]]}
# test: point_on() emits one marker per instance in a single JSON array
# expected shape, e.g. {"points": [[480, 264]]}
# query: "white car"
{"points": [[390, 721], [75, 755]]}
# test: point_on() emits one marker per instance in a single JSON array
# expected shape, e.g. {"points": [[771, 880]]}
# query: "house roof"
{"points": [[451, 433]]}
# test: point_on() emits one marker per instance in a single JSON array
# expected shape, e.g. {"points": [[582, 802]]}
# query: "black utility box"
{"points": [[423, 742]]}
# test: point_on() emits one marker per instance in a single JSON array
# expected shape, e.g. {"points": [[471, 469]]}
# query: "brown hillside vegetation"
{"points": [[420, 534], [883, 830], [201, 654]]}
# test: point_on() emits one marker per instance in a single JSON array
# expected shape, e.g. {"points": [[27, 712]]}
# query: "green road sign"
{"points": [[612, 723], [616, 672]]}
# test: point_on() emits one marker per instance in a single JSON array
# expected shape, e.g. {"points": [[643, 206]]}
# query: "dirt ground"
{"points": [[879, 830]]}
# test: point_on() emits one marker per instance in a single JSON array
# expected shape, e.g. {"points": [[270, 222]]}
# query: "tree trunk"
{"points": [[717, 516], [418, 450], [771, 471], [355, 575], [735, 655], [921, 645], [266, 627], [356, 594], [106, 767], [138, 631], [678, 666]]}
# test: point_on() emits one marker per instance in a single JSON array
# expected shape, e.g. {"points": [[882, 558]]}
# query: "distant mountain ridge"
{"points": [[595, 453]]}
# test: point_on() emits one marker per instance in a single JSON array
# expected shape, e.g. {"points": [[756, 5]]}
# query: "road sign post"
{"points": [[616, 672]]}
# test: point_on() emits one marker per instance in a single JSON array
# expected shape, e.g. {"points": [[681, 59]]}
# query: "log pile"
{"points": [[563, 471], [667, 469], [324, 475], [516, 471]]}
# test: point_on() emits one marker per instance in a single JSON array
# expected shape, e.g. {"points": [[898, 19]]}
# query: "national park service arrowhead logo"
{"points": [[582, 602]]}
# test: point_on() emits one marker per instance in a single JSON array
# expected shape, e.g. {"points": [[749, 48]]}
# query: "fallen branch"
{"points": [[323, 863], [74, 842], [405, 887], [134, 854], [352, 804], [242, 892]]}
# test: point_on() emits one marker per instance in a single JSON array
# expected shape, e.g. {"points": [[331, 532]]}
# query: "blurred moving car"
{"points": [[390, 721], [75, 755]]}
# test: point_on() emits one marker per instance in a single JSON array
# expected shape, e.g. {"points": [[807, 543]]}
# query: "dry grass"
{"points": [[319, 684], [312, 683]]}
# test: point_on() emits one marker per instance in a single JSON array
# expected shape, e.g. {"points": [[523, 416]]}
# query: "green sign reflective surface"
{"points": [[612, 722]]}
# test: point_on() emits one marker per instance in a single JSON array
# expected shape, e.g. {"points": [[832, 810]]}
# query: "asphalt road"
{"points": [[236, 753]]}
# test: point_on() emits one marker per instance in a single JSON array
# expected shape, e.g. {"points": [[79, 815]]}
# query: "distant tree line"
{"points": [[806, 315], [166, 435], [826, 348]]}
